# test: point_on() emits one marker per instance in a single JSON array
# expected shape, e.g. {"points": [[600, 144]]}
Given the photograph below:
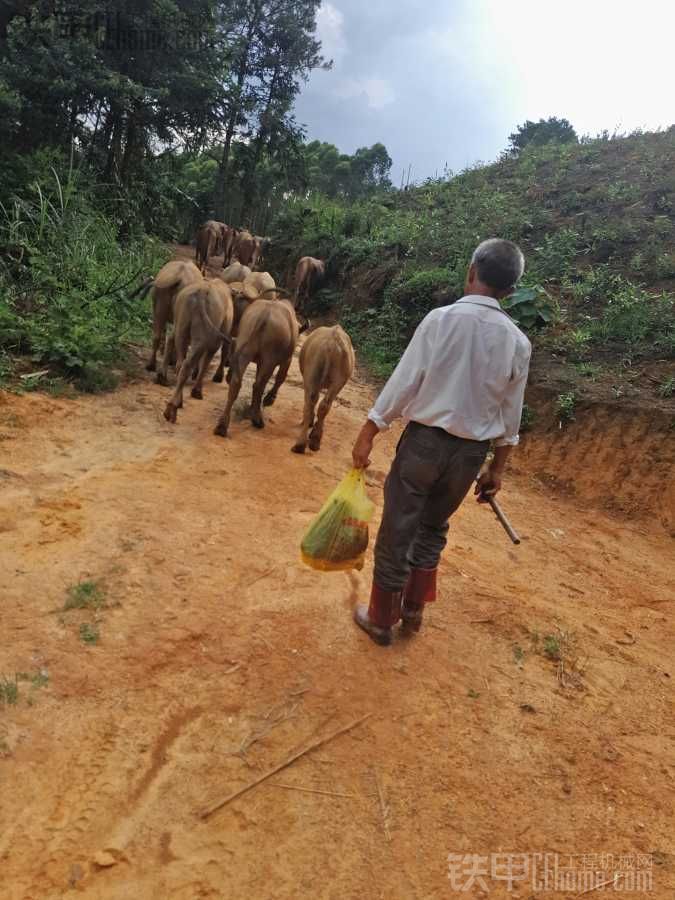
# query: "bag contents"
{"points": [[337, 539]]}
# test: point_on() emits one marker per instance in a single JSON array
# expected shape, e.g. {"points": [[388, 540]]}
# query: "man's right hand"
{"points": [[488, 485], [364, 445]]}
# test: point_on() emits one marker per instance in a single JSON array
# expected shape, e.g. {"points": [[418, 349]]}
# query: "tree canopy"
{"points": [[542, 132], [140, 91]]}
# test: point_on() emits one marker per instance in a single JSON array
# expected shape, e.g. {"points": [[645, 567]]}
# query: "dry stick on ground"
{"points": [[260, 577], [603, 884], [488, 620], [214, 807], [384, 808], [281, 714], [306, 790]]}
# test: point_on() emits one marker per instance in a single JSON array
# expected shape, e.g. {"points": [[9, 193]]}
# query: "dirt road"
{"points": [[534, 714]]}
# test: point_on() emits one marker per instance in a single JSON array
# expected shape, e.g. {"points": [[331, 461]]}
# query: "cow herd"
{"points": [[245, 315]]}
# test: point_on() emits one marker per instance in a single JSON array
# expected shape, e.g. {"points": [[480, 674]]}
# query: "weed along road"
{"points": [[164, 648]]}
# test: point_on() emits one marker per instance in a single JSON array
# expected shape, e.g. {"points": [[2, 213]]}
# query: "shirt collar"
{"points": [[481, 301]]}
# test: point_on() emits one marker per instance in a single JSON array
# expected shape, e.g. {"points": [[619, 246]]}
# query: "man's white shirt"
{"points": [[464, 370]]}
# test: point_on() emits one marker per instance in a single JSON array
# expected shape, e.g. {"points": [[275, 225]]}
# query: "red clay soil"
{"points": [[532, 715]]}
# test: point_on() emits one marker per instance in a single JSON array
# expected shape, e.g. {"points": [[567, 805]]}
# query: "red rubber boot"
{"points": [[420, 589], [380, 615]]}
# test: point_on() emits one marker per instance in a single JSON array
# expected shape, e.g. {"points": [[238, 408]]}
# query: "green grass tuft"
{"points": [[89, 634], [85, 595]]}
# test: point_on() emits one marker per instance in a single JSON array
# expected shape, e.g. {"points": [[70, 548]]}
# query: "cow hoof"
{"points": [[218, 377], [314, 446], [161, 379], [220, 429], [151, 367], [298, 448], [269, 399], [257, 423], [197, 393], [170, 413]]}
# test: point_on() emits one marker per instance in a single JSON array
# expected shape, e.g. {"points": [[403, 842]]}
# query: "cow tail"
{"points": [[200, 300], [143, 289]]}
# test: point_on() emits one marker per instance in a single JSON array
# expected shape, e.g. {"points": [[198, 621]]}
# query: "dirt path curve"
{"points": [[220, 655]]}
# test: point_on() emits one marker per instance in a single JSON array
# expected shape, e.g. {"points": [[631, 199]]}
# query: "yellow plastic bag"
{"points": [[337, 539]]}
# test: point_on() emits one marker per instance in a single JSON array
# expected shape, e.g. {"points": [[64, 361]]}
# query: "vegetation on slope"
{"points": [[596, 220]]}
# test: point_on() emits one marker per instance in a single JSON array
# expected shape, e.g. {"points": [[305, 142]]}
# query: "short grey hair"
{"points": [[499, 264]]}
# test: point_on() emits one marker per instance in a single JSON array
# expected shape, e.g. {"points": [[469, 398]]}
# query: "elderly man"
{"points": [[459, 385]]}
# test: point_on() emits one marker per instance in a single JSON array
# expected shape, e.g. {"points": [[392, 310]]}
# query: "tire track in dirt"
{"points": [[55, 842]]}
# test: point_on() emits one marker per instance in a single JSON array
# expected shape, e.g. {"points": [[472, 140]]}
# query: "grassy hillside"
{"points": [[596, 221]]}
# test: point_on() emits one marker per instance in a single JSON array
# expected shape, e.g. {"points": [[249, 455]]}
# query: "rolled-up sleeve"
{"points": [[406, 378], [512, 405]]}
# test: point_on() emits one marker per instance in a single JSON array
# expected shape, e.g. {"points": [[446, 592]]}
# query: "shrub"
{"points": [[65, 283], [667, 388], [531, 307], [597, 284], [565, 406], [378, 333], [634, 317], [527, 418], [414, 293], [556, 256]]}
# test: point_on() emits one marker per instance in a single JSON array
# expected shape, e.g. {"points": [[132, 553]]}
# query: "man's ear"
{"points": [[471, 275]]}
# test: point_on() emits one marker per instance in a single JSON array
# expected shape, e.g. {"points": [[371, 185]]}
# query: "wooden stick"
{"points": [[503, 521], [602, 884], [294, 787], [384, 809], [214, 807], [488, 620]]}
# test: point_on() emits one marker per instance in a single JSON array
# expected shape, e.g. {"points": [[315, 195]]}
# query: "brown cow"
{"points": [[268, 333], [261, 245], [244, 249], [229, 240], [209, 240], [254, 286], [309, 274], [327, 364], [166, 284], [234, 272], [204, 314]]}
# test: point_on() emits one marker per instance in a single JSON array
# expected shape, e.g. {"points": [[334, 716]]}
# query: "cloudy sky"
{"points": [[446, 81]]}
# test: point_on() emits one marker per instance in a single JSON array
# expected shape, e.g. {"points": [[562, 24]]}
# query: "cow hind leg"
{"points": [[162, 376], [317, 431], [263, 375], [158, 335], [219, 374], [176, 401], [271, 396], [235, 379], [311, 398], [197, 391]]}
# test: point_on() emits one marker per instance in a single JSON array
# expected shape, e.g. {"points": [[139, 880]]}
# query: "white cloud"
{"points": [[377, 92], [330, 31]]}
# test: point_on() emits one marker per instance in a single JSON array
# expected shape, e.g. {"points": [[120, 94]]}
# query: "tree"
{"points": [[291, 52], [544, 131], [337, 174], [273, 50]]}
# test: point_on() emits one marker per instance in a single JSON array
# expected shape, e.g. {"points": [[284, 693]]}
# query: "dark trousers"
{"points": [[430, 476]]}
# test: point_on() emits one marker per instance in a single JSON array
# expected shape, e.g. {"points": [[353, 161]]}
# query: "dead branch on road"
{"points": [[219, 804]]}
